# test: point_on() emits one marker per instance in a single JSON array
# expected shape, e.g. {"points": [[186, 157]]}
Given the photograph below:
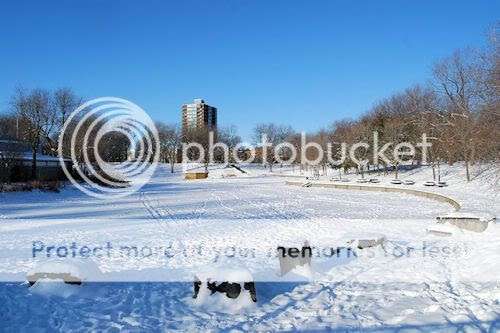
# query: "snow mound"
{"points": [[225, 273], [68, 270], [54, 287], [442, 230], [227, 172], [363, 240]]}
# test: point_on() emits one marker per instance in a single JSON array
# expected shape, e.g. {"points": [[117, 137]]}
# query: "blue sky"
{"points": [[301, 63]]}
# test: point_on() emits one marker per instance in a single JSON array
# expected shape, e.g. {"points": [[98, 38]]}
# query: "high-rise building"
{"points": [[198, 115]]}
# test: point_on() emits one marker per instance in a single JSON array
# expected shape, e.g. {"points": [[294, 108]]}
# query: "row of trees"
{"points": [[458, 110], [205, 138], [37, 117]]}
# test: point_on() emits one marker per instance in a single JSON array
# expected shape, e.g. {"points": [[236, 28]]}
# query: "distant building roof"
{"points": [[22, 151]]}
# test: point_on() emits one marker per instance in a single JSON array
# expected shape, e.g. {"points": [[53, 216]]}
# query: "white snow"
{"points": [[443, 229], [416, 281], [224, 273]]}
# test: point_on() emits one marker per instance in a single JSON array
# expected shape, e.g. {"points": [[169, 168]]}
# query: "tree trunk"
{"points": [[466, 159], [467, 170], [439, 172], [33, 164]]}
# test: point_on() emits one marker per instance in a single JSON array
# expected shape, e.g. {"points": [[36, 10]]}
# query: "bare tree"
{"points": [[65, 101], [10, 150], [229, 136], [200, 136], [38, 113], [274, 135], [457, 78], [170, 140], [113, 147]]}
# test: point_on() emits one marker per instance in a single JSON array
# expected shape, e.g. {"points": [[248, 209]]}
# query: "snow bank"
{"points": [[54, 287], [75, 269], [361, 240], [226, 172], [224, 273], [443, 230]]}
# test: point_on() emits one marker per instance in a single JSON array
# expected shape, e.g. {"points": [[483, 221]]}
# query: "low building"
{"points": [[16, 158]]}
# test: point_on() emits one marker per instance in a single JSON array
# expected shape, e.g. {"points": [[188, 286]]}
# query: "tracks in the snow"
{"points": [[163, 215], [243, 206], [157, 215], [263, 206]]}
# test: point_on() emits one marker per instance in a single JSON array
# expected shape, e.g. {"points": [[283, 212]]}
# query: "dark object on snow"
{"points": [[231, 289], [236, 167], [197, 285]]}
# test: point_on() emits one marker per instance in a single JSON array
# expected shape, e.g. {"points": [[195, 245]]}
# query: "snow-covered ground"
{"points": [[418, 281]]}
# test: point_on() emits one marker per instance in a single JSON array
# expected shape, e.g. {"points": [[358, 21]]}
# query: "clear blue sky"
{"points": [[302, 63]]}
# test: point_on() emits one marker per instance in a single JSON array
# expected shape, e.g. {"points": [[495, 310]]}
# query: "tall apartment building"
{"points": [[198, 115]]}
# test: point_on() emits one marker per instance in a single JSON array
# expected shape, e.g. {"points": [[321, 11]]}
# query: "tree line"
{"points": [[458, 110]]}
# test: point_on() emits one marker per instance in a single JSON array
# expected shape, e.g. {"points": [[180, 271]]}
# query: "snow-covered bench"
{"points": [[234, 282], [477, 222], [70, 271]]}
